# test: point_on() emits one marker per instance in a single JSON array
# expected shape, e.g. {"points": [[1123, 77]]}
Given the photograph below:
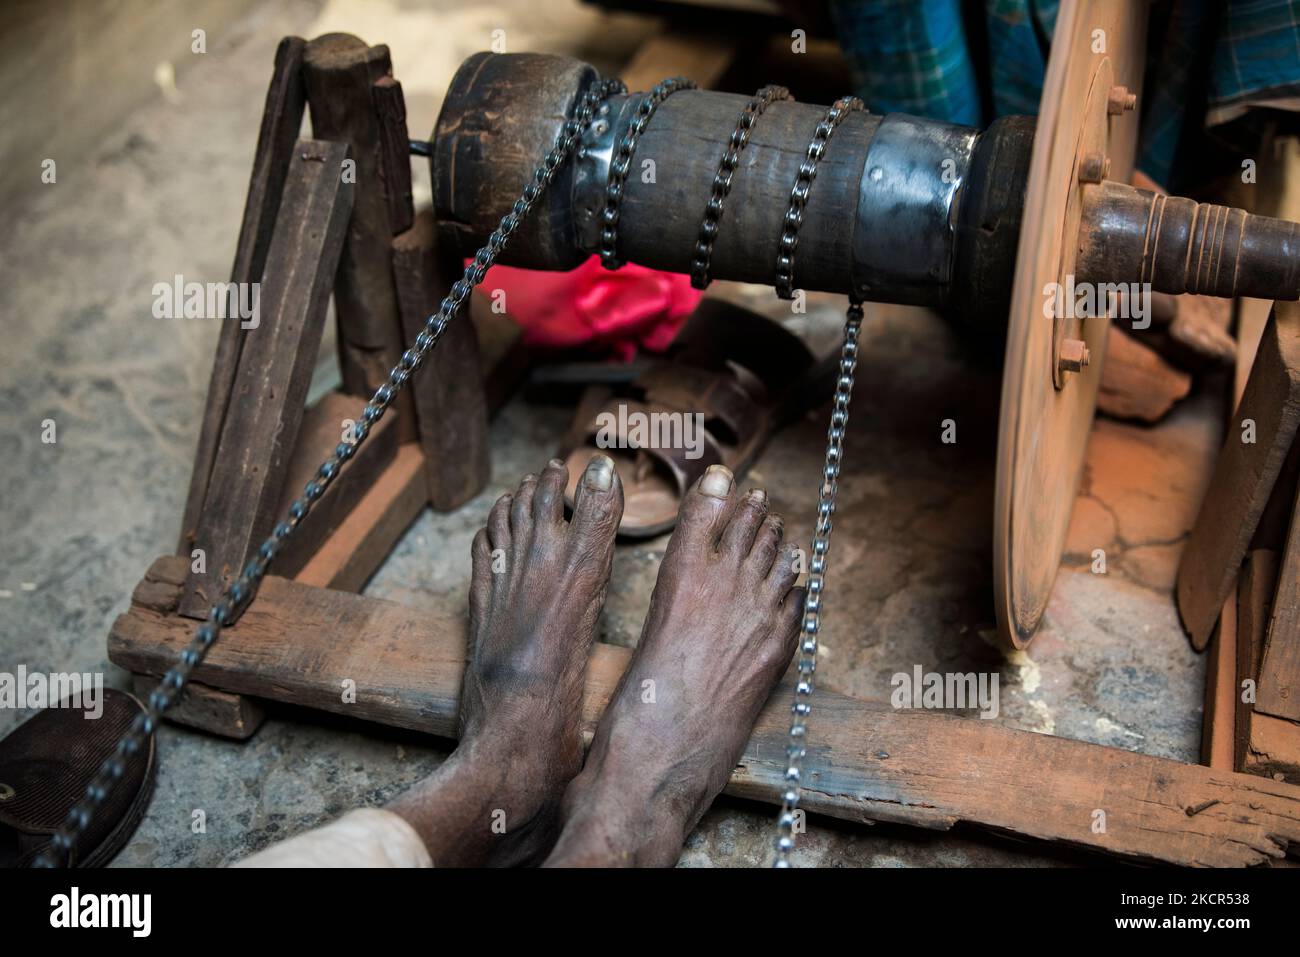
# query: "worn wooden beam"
{"points": [[324, 426], [281, 120], [1244, 476], [866, 762], [394, 153], [1254, 604], [1218, 720], [340, 72], [1274, 749], [266, 407], [1279, 662], [208, 709], [200, 706], [348, 558], [450, 402]]}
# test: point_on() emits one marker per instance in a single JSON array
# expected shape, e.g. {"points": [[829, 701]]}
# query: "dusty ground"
{"points": [[911, 570]]}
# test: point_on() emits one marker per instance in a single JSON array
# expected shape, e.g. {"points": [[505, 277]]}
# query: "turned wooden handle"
{"points": [[1181, 246]]}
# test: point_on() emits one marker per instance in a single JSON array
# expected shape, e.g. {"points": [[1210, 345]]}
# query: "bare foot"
{"points": [[722, 627], [536, 590]]}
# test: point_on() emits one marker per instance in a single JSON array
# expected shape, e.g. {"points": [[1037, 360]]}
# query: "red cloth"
{"points": [[617, 310]]}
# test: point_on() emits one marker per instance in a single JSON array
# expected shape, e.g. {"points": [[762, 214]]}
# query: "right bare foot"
{"points": [[722, 627]]}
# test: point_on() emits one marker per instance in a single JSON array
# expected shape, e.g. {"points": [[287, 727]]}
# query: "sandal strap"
{"points": [[717, 395], [684, 466]]}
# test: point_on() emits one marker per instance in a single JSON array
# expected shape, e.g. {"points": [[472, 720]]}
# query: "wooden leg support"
{"points": [[281, 119], [266, 405], [216, 712]]}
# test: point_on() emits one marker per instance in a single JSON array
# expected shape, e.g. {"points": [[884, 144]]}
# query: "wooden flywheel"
{"points": [[1087, 129]]}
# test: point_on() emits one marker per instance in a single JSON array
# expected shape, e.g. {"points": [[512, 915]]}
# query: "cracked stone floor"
{"points": [[911, 578]]}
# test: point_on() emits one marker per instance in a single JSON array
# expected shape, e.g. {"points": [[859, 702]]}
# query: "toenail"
{"points": [[716, 481], [555, 464], [600, 473], [758, 495]]}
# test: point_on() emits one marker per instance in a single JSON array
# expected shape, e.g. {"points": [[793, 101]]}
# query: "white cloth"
{"points": [[369, 837]]}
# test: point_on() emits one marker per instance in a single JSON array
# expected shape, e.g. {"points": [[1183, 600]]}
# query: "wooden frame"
{"points": [[299, 642]]}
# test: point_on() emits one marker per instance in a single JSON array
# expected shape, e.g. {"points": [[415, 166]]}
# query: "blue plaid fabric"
{"points": [[1210, 62]]}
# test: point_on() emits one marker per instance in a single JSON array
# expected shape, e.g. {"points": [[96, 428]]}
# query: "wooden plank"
{"points": [[1279, 663], [1218, 721], [275, 367], [350, 556], [450, 402], [322, 429], [1274, 749], [866, 762], [281, 120], [1243, 477], [394, 153], [208, 709], [1254, 604], [340, 72]]}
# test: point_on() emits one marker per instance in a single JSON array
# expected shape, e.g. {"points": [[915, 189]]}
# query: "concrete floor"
{"points": [[911, 571]]}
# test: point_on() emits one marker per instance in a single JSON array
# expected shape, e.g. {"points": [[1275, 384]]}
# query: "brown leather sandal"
{"points": [[729, 380], [46, 765]]}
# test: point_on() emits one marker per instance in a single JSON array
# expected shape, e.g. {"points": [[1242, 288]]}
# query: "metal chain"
{"points": [[622, 162], [722, 179], [245, 588], [802, 186], [821, 542]]}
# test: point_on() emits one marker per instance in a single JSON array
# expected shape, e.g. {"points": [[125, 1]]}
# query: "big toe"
{"points": [[706, 509], [598, 508]]}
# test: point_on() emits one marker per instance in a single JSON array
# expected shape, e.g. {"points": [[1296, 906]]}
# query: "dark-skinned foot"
{"points": [[536, 590], [722, 627]]}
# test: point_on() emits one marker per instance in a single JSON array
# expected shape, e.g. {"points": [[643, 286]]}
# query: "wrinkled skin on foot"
{"points": [[722, 628], [536, 590]]}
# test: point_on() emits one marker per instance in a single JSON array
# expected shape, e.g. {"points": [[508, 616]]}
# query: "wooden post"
{"points": [[340, 72], [1279, 663], [322, 429], [266, 406], [450, 402], [281, 119]]}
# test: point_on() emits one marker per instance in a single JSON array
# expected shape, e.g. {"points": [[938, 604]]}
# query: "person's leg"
{"points": [[722, 627], [537, 588]]}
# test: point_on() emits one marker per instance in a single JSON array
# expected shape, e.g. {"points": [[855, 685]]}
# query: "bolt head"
{"points": [[1074, 356], [1120, 100], [1093, 167]]}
